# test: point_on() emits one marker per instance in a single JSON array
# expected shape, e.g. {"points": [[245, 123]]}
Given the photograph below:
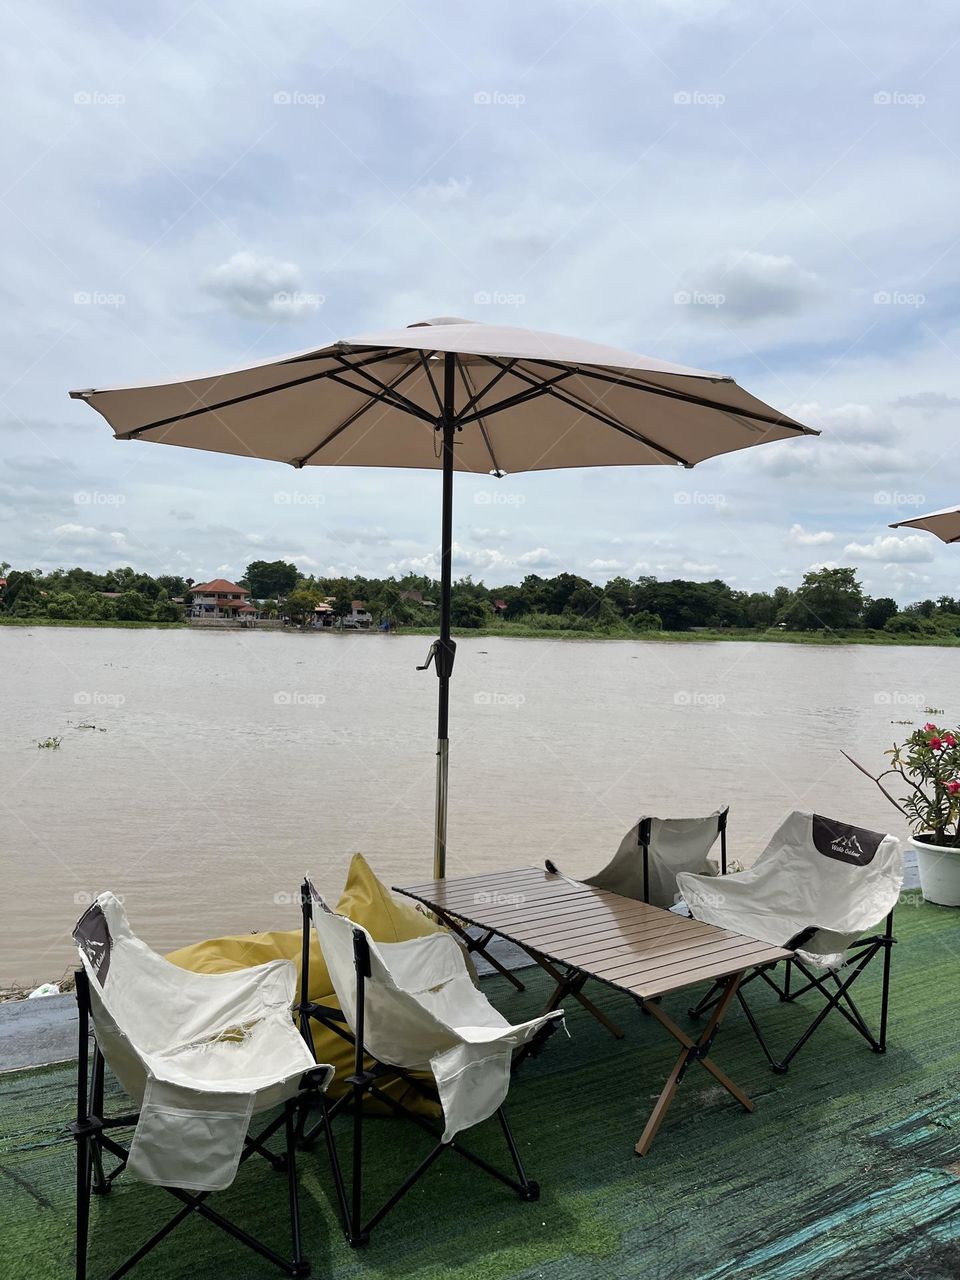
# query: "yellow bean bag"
{"points": [[365, 900]]}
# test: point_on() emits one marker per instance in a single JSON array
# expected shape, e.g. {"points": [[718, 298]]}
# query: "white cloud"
{"points": [[745, 286], [912, 549], [254, 285], [539, 557], [800, 537], [76, 531]]}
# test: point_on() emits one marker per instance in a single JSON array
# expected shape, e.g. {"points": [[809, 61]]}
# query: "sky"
{"points": [[767, 191]]}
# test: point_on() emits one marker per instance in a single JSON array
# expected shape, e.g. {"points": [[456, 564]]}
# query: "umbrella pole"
{"points": [[446, 647]]}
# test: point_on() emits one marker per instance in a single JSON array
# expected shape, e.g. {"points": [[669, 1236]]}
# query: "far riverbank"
{"points": [[524, 631]]}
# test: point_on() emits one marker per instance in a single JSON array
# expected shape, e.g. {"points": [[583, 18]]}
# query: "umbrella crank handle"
{"points": [[441, 656]]}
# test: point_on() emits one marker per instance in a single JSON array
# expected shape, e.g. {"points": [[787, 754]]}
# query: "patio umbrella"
{"points": [[944, 524], [455, 396]]}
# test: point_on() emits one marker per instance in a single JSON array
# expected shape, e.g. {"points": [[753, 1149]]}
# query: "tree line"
{"points": [[829, 599]]}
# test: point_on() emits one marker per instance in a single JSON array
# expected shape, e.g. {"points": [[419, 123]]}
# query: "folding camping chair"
{"points": [[199, 1055], [645, 867], [413, 1007], [825, 890]]}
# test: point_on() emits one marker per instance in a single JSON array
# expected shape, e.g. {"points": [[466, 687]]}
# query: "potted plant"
{"points": [[928, 762]]}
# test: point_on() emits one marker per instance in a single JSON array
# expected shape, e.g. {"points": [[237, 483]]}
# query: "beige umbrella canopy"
{"points": [[944, 524], [456, 396]]}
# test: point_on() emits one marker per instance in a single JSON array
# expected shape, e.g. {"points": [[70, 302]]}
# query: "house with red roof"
{"points": [[220, 599]]}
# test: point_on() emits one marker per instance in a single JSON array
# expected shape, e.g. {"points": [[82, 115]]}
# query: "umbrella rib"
{"points": [[398, 401], [221, 404], [685, 396], [478, 395], [354, 417], [384, 394], [425, 365], [521, 397], [472, 397], [608, 420]]}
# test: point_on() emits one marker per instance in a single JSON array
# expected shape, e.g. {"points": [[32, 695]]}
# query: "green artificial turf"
{"points": [[849, 1167]]}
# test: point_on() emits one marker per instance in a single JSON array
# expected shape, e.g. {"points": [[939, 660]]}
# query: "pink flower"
{"points": [[930, 728], [949, 739], [935, 742], [953, 788]]}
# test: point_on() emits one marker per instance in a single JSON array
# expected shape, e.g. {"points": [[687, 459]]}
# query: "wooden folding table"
{"points": [[576, 932]]}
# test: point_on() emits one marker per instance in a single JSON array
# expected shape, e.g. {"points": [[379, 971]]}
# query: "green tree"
{"points": [[270, 578], [876, 613], [467, 610], [133, 607], [301, 603], [62, 606], [831, 598]]}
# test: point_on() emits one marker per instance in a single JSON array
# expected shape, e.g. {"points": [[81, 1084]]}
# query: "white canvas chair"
{"points": [[824, 889], [413, 1007], [199, 1055], [651, 856]]}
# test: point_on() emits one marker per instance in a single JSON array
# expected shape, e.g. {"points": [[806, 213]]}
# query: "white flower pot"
{"points": [[939, 869]]}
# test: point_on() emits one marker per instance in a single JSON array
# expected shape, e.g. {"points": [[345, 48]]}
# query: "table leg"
{"points": [[693, 1051]]}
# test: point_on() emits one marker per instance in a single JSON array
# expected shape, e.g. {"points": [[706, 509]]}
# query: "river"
{"points": [[225, 764]]}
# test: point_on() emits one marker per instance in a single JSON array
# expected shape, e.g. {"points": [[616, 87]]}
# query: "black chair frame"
{"points": [[833, 986], [368, 1078], [93, 1132]]}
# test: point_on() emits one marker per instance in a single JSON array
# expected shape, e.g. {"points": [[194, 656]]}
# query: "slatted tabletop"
{"points": [[640, 949]]}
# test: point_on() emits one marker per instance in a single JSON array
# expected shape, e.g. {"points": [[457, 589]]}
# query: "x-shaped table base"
{"points": [[693, 1051]]}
